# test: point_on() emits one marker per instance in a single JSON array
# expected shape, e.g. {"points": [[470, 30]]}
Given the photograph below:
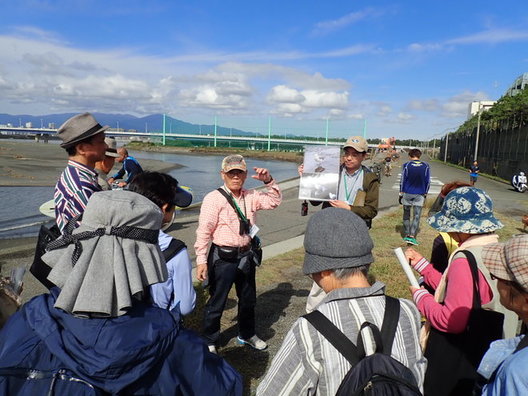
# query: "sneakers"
{"points": [[253, 342], [411, 240], [212, 349]]}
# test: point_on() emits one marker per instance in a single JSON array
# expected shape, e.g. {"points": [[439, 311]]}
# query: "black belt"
{"points": [[238, 249]]}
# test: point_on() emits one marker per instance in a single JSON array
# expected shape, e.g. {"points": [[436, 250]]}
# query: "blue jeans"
{"points": [[414, 201]]}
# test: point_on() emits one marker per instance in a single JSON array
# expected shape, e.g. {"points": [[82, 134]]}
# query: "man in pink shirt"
{"points": [[230, 228]]}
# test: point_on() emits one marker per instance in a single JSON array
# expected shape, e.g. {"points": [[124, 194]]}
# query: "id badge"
{"points": [[253, 230]]}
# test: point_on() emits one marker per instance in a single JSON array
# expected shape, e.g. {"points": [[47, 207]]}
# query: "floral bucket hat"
{"points": [[468, 210]]}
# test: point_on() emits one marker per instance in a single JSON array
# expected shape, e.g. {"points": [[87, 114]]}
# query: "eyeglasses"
{"points": [[234, 172], [354, 154]]}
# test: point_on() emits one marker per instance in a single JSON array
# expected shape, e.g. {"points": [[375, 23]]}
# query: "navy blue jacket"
{"points": [[415, 177], [131, 167], [143, 352]]}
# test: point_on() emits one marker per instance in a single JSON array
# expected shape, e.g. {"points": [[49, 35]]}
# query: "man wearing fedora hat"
{"points": [[83, 139], [104, 166], [338, 254]]}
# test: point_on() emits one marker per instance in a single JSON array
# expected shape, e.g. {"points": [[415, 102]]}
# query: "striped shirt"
{"points": [[75, 186], [307, 364], [218, 221]]}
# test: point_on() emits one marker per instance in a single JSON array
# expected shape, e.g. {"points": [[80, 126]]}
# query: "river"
{"points": [[20, 216]]}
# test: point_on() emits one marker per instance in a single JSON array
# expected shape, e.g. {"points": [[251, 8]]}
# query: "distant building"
{"points": [[29, 124], [479, 104], [51, 125], [518, 85]]}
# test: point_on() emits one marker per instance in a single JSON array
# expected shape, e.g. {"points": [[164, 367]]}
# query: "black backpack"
{"points": [[376, 374]]}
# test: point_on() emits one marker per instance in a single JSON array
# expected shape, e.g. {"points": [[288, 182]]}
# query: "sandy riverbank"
{"points": [[28, 163], [296, 157]]}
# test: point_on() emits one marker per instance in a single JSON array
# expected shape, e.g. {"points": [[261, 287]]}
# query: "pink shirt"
{"points": [[452, 315], [218, 221]]}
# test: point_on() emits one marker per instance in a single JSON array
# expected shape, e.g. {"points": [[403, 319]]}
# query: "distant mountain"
{"points": [[151, 123]]}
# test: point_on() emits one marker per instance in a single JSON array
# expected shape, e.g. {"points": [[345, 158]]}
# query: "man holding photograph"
{"points": [[358, 186], [357, 191]]}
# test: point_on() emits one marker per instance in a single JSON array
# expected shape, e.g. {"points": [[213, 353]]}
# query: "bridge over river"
{"points": [[264, 140]]}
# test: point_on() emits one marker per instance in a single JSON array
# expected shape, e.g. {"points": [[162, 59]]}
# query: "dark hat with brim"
{"points": [[336, 238], [79, 128], [183, 197]]}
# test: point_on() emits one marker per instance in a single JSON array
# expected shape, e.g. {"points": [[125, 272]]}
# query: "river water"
{"points": [[19, 211]]}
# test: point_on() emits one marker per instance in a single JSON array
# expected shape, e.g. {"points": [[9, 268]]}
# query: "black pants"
{"points": [[222, 274]]}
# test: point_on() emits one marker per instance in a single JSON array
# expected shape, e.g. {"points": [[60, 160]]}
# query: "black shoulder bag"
{"points": [[256, 247], [453, 359]]}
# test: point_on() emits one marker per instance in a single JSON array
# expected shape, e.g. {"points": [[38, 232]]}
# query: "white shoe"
{"points": [[212, 349], [254, 342]]}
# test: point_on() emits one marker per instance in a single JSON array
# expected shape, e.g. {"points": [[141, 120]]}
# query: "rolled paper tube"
{"points": [[406, 267]]}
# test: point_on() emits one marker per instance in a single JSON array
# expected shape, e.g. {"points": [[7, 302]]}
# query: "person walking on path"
{"points": [[177, 290], [414, 186], [130, 167], [104, 166], [83, 139], [454, 337], [474, 171], [338, 254], [504, 364], [228, 220]]}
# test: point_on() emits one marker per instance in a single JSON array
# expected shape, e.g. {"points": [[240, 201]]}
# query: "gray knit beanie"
{"points": [[336, 238]]}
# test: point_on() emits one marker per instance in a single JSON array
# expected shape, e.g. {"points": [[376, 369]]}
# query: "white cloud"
{"points": [[282, 93], [492, 36], [405, 117], [419, 47], [319, 99], [457, 106], [384, 110], [50, 75], [289, 100], [424, 105], [325, 27]]}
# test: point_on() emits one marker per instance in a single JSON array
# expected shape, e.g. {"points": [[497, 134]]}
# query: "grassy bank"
{"points": [[287, 268], [291, 156]]}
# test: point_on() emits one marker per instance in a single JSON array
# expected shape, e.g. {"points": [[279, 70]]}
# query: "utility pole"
{"points": [[215, 131], [326, 133], [447, 141], [269, 133], [478, 133], [164, 125]]}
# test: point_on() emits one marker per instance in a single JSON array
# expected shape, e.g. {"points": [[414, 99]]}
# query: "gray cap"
{"points": [[336, 238], [79, 128]]}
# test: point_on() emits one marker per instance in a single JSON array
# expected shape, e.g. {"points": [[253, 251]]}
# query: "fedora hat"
{"points": [[79, 128]]}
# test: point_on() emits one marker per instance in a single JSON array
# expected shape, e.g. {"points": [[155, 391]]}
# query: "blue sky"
{"points": [[407, 69]]}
